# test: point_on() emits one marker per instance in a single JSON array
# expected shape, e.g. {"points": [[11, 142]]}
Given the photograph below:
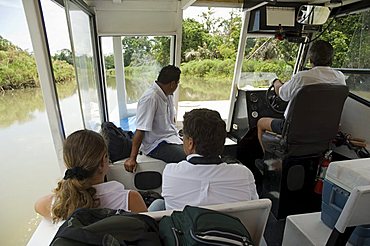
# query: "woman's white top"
{"points": [[112, 195]]}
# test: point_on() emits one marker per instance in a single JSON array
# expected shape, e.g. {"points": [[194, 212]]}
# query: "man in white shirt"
{"points": [[156, 134], [203, 178], [321, 55]]}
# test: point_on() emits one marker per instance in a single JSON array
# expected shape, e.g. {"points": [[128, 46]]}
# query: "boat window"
{"points": [[29, 164], [84, 58], [143, 57], [208, 54], [63, 65], [266, 59], [350, 37]]}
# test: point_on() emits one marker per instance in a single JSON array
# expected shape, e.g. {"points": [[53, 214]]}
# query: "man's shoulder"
{"points": [[239, 169], [237, 166], [176, 166]]}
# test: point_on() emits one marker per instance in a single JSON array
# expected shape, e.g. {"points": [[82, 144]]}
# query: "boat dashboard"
{"points": [[251, 105]]}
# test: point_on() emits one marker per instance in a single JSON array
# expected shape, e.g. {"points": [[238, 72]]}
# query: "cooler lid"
{"points": [[349, 174]]}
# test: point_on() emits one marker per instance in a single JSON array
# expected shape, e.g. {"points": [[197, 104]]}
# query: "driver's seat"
{"points": [[311, 123]]}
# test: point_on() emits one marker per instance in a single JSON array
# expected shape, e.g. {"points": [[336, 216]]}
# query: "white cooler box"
{"points": [[341, 178]]}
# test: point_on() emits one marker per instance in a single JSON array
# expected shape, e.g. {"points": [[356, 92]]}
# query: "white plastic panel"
{"points": [[136, 22], [356, 120]]}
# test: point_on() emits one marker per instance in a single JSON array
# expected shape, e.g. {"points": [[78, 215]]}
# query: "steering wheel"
{"points": [[274, 101]]}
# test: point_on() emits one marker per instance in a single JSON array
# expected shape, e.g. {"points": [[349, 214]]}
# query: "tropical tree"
{"points": [[340, 33], [18, 68], [161, 50], [194, 35], [64, 55], [136, 49], [109, 61]]}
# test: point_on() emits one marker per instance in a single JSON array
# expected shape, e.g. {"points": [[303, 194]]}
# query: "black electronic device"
{"points": [[270, 19]]}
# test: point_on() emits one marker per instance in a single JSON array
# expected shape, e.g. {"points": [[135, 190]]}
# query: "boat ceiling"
{"points": [[162, 17], [214, 3]]}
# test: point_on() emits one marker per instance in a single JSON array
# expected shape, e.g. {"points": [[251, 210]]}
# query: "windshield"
{"points": [[266, 59]]}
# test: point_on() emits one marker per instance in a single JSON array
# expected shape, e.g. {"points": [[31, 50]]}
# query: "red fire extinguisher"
{"points": [[321, 172]]}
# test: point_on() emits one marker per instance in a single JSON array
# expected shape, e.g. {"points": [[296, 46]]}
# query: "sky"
{"points": [[13, 25]]}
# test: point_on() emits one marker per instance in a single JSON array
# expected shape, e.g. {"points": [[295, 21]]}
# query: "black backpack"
{"points": [[119, 141], [102, 226], [200, 226]]}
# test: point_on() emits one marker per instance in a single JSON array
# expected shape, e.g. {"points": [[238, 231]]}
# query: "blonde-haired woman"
{"points": [[86, 158]]}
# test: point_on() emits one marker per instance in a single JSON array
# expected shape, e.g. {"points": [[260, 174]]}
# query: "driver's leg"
{"points": [[263, 124]]}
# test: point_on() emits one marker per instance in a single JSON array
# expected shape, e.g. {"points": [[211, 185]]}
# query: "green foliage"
{"points": [[137, 50], [109, 61], [161, 50], [359, 48], [208, 50], [64, 55], [198, 68], [340, 33], [194, 35], [215, 38], [18, 68], [141, 72], [225, 68], [279, 67], [63, 71], [6, 45], [203, 89]]}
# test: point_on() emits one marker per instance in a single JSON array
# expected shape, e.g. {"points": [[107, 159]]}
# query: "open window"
{"points": [[350, 37]]}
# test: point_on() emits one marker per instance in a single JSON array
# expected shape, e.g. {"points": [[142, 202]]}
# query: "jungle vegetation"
{"points": [[209, 50]]}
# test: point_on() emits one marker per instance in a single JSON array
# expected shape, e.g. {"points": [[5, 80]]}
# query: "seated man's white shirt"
{"points": [[188, 184], [112, 195], [156, 115], [316, 75]]}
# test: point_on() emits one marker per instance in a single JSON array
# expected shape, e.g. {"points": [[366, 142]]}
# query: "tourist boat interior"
{"points": [[288, 173]]}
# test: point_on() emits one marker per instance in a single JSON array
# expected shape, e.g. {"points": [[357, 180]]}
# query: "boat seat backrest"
{"points": [[253, 214], [148, 175], [312, 121]]}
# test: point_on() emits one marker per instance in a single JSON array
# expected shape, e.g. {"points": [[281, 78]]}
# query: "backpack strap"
{"points": [[210, 160]]}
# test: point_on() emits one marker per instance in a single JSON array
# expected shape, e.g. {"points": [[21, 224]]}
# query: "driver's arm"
{"points": [[277, 84]]}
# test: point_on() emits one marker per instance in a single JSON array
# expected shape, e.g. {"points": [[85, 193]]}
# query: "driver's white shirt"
{"points": [[156, 116], [316, 75], [188, 184]]}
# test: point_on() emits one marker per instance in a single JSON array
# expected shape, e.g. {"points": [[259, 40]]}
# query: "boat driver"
{"points": [[321, 56]]}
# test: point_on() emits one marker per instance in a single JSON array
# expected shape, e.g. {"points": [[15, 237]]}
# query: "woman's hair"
{"points": [[207, 129], [83, 152]]}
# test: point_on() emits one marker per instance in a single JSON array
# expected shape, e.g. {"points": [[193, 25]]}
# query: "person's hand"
{"points": [[130, 165], [276, 80]]}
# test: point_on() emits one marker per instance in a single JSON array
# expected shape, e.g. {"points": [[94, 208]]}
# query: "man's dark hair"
{"points": [[168, 74], [321, 53], [207, 130]]}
